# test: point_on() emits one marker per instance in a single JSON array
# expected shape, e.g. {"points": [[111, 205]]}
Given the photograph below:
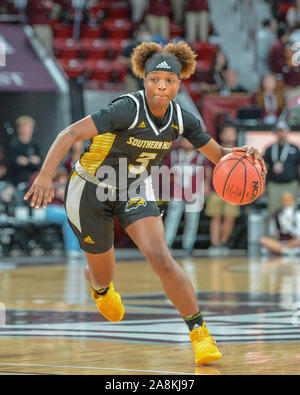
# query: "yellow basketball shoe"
{"points": [[110, 305], [204, 345]]}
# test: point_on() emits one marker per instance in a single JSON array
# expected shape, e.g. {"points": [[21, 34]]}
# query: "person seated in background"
{"points": [[216, 76], [284, 229], [75, 153], [270, 99], [231, 84], [56, 214], [24, 153], [223, 215], [183, 163]]}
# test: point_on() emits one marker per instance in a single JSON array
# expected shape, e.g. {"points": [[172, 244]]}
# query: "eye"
{"points": [[153, 79], [171, 81]]}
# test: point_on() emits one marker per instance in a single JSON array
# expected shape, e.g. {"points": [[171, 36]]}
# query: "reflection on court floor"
{"points": [[251, 307]]}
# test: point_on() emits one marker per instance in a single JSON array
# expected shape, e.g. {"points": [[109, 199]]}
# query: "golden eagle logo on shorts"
{"points": [[135, 203]]}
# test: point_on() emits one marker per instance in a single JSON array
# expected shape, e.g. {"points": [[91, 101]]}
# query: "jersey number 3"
{"points": [[144, 159]]}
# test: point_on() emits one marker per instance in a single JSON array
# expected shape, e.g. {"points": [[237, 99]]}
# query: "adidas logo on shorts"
{"points": [[163, 65]]}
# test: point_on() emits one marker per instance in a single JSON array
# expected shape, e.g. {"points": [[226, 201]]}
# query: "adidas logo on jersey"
{"points": [[89, 240], [163, 65], [142, 125]]}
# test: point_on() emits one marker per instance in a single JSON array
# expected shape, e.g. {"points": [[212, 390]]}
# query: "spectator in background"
{"points": [[215, 79], [197, 21], [270, 99], [24, 153], [223, 215], [183, 163], [178, 10], [293, 15], [282, 160], [158, 18], [138, 8], [285, 229], [132, 83], [75, 153], [277, 60], [231, 84], [56, 214], [38, 15], [264, 39]]}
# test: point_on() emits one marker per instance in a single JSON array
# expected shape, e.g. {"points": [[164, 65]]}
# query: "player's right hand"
{"points": [[41, 191]]}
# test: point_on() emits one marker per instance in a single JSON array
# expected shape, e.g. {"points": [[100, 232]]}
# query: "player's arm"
{"points": [[42, 191], [214, 152]]}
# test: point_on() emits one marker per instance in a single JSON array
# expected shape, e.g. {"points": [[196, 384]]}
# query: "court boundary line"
{"points": [[90, 368]]}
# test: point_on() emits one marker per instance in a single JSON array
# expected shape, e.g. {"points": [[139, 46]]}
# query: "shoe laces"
{"points": [[203, 332]]}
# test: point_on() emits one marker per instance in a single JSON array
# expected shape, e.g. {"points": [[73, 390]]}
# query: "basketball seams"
{"points": [[218, 166], [245, 181], [222, 183], [230, 173]]}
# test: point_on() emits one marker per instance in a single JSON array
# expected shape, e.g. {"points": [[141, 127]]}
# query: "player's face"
{"points": [[161, 87]]}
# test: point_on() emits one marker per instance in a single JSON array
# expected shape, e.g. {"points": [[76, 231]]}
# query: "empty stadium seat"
{"points": [[67, 48], [118, 28], [91, 32], [99, 8], [176, 30], [61, 30], [205, 51], [118, 10], [95, 49], [119, 72], [99, 70], [116, 47], [72, 67], [283, 9]]}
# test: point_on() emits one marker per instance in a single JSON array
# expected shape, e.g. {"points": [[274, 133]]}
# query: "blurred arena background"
{"points": [[61, 60], [65, 59]]}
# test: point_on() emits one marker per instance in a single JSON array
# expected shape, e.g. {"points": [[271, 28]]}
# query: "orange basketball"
{"points": [[237, 179]]}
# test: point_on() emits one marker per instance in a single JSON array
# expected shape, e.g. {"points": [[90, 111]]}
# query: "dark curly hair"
{"points": [[181, 51]]}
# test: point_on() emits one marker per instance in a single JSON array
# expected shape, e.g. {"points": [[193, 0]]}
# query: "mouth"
{"points": [[162, 96]]}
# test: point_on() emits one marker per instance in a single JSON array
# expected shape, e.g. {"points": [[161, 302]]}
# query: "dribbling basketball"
{"points": [[238, 179]]}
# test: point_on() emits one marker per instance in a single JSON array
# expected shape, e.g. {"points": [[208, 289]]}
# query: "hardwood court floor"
{"points": [[251, 306]]}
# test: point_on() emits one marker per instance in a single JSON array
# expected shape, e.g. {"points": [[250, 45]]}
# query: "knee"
{"points": [[161, 260]]}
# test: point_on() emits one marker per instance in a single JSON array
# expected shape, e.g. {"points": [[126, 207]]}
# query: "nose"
{"points": [[162, 85]]}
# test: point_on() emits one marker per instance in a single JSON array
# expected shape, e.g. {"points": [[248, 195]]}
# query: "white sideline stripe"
{"points": [[89, 367]]}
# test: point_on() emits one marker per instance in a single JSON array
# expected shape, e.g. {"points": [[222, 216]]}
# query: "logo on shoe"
{"points": [[135, 203]]}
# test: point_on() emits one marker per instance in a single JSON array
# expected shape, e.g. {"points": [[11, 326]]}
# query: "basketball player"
{"points": [[136, 129]]}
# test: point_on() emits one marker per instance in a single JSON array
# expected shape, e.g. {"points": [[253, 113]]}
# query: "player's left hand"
{"points": [[252, 151]]}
